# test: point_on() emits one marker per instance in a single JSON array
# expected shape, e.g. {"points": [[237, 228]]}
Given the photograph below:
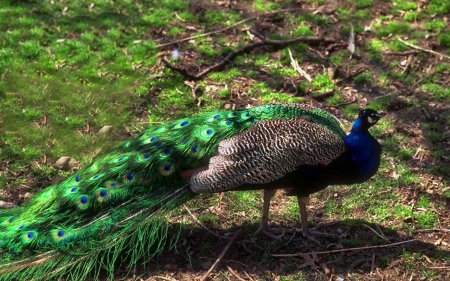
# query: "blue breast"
{"points": [[365, 151]]}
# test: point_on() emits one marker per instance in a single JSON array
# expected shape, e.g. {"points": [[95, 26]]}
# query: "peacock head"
{"points": [[369, 117]]}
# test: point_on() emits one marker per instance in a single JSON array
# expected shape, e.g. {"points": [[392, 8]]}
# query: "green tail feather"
{"points": [[117, 204]]}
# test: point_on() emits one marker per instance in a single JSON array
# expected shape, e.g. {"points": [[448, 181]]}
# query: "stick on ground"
{"points": [[219, 259], [347, 250]]}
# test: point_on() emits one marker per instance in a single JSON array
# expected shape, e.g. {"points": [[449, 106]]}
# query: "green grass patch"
{"points": [[435, 25], [437, 91], [322, 83], [394, 28], [439, 7], [444, 39], [363, 4], [265, 6], [405, 5]]}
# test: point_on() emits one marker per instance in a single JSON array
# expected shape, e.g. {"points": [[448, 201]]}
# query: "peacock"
{"points": [[114, 209]]}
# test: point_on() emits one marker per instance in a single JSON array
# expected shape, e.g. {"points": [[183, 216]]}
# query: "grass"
{"points": [[67, 66]]}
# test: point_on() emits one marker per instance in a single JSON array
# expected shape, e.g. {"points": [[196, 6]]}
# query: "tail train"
{"points": [[115, 208]]}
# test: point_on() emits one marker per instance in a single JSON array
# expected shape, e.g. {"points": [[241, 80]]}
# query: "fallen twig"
{"points": [[433, 229], [202, 225], [3, 75], [297, 68], [423, 49], [234, 273], [392, 53], [246, 48], [219, 259], [161, 277], [346, 250], [438, 267], [378, 234], [226, 28], [289, 241]]}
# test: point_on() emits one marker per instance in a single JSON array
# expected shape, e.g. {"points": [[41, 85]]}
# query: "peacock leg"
{"points": [[307, 233], [268, 194]]}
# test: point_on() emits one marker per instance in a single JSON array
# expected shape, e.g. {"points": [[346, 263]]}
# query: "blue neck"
{"points": [[358, 127], [364, 149]]}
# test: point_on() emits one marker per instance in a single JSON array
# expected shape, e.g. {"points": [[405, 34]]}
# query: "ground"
{"points": [[68, 68]]}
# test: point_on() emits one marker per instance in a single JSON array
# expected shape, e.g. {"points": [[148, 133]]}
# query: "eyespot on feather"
{"points": [[161, 129], [75, 180], [102, 195], [127, 178], [8, 220], [96, 177], [245, 116], [83, 202], [147, 179], [149, 139], [207, 132], [226, 123], [166, 152], [214, 118], [28, 237], [111, 184], [59, 235], [182, 124], [72, 190], [118, 160], [196, 152], [144, 157], [166, 169]]}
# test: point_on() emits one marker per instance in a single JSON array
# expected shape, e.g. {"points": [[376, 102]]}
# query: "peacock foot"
{"points": [[270, 232], [310, 233]]}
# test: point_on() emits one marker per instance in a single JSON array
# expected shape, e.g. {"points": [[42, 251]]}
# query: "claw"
{"points": [[269, 232], [310, 233], [306, 232]]}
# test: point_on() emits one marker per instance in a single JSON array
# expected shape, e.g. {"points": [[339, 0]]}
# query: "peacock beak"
{"points": [[380, 114]]}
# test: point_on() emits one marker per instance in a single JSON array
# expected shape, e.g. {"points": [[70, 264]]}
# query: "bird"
{"points": [[115, 208]]}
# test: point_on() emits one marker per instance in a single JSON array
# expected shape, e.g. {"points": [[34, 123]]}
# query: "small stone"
{"points": [[62, 163], [105, 129], [6, 205], [73, 163], [227, 106], [27, 195], [65, 163], [408, 219]]}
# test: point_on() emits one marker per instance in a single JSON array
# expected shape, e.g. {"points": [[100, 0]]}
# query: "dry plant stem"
{"points": [[226, 28], [407, 53], [202, 225], [3, 75], [433, 229], [347, 250], [231, 56], [438, 267], [423, 49], [160, 277], [234, 273], [219, 259], [373, 230]]}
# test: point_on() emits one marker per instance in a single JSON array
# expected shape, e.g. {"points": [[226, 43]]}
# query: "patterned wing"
{"points": [[266, 152]]}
